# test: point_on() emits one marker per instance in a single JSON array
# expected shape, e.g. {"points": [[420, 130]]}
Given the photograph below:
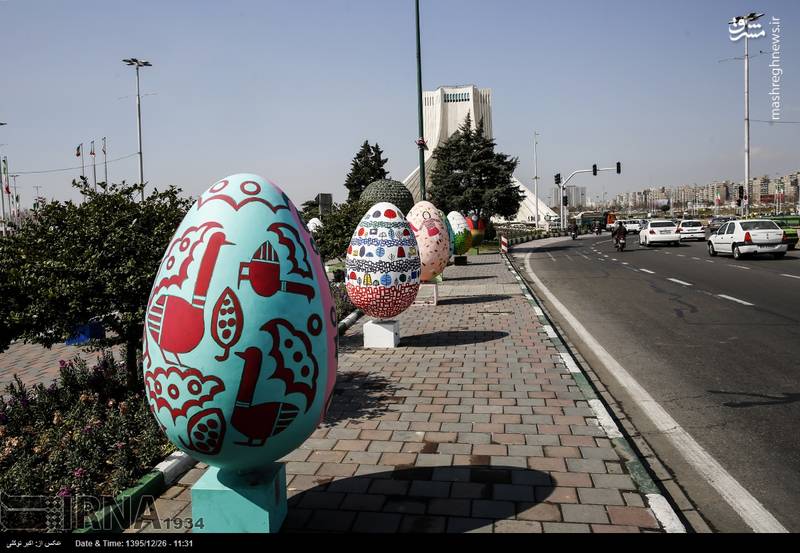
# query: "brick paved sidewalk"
{"points": [[34, 364], [472, 424]]}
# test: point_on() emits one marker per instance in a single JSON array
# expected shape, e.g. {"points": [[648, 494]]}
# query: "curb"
{"points": [[349, 321], [659, 504], [129, 503]]}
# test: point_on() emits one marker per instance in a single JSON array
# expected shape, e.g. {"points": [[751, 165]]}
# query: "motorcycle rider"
{"points": [[573, 230], [619, 232]]}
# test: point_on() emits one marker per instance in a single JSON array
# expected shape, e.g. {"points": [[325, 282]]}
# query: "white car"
{"points": [[748, 237], [659, 231], [692, 229], [632, 225]]}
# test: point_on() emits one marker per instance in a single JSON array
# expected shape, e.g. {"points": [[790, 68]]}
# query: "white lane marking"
{"points": [[696, 258], [570, 363], [741, 267], [646, 271], [731, 298], [709, 261], [551, 256], [624, 262], [666, 253], [664, 513], [551, 333], [791, 276], [675, 280], [681, 255], [605, 419], [748, 507], [612, 259], [583, 256]]}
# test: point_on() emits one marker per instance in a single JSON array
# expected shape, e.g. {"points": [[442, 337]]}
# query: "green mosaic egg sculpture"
{"points": [[387, 190]]}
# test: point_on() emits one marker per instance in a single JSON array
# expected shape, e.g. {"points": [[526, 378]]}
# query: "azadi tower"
{"points": [[444, 111]]}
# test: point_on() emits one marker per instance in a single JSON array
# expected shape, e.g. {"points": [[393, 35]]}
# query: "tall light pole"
{"points": [[137, 64], [536, 176], [421, 139], [742, 23], [2, 195]]}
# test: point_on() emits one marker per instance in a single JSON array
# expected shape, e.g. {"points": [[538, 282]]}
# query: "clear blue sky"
{"points": [[290, 89]]}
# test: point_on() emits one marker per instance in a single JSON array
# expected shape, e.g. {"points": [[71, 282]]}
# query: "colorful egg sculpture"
{"points": [[463, 236], [382, 265], [240, 331], [431, 233], [450, 235], [478, 228], [314, 225]]}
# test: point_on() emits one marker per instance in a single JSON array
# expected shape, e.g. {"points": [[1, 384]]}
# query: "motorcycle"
{"points": [[619, 244], [597, 231], [574, 235]]}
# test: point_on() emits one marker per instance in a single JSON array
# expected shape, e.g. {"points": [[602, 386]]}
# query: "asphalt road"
{"points": [[718, 347]]}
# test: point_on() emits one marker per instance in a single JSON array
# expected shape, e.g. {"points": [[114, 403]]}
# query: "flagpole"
{"points": [[16, 200], [105, 160], [94, 166], [3, 197]]}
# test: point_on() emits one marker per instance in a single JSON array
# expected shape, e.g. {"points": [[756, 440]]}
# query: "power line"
{"points": [[70, 168]]}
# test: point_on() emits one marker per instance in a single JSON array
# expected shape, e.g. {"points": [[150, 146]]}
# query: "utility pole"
{"points": [[137, 64], [536, 176], [16, 200], [421, 140], [741, 28], [105, 161]]}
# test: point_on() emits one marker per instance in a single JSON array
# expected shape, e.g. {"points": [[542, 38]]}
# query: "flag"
{"points": [[78, 150], [91, 153], [4, 175], [104, 145]]}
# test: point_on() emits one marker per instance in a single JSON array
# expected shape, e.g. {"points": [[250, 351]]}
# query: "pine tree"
{"points": [[366, 167], [471, 177]]}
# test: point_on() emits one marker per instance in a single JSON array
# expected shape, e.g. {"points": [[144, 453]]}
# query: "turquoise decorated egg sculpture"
{"points": [[240, 329], [431, 233], [463, 236], [382, 265]]}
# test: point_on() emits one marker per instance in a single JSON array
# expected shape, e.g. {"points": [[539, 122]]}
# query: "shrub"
{"points": [[85, 434], [341, 300]]}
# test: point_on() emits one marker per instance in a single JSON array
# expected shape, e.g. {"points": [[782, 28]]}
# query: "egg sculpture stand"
{"points": [[382, 272], [463, 236], [240, 346]]}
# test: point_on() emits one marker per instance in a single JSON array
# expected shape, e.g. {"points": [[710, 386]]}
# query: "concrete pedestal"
{"points": [[227, 501], [460, 260], [381, 334]]}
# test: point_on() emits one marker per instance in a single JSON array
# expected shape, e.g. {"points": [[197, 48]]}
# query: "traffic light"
{"points": [[558, 179], [619, 168], [741, 193], [565, 200], [594, 169], [738, 202]]}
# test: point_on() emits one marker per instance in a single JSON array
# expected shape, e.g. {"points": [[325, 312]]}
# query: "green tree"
{"points": [[469, 176], [95, 260], [366, 167], [309, 210], [334, 237]]}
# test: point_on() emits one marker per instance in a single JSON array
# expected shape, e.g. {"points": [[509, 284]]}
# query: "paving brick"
{"points": [[617, 481], [561, 451], [600, 496], [474, 438], [363, 502], [489, 449], [556, 494], [331, 521], [325, 456], [302, 468], [513, 492], [450, 507], [460, 525], [336, 469], [633, 499], [351, 445], [613, 529], [565, 528], [319, 500], [423, 524], [539, 511], [421, 488], [433, 460], [375, 435], [605, 453], [471, 490], [632, 516], [388, 446], [483, 508], [586, 465], [374, 523], [517, 526], [547, 464], [584, 513], [362, 458]]}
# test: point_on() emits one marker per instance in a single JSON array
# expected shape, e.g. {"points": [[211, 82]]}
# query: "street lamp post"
{"points": [[137, 64], [421, 139], [743, 22], [536, 176], [2, 196]]}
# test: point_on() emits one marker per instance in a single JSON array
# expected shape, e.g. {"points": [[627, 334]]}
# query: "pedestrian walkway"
{"points": [[35, 364], [472, 424]]}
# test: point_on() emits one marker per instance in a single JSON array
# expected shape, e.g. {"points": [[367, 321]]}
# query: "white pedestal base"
{"points": [[381, 334]]}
